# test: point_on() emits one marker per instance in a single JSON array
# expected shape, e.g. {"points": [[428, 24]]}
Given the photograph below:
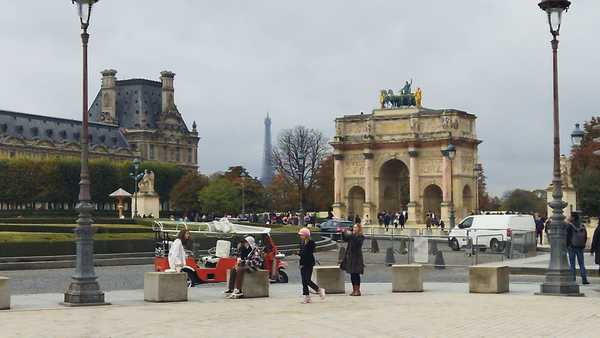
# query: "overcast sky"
{"points": [[307, 62]]}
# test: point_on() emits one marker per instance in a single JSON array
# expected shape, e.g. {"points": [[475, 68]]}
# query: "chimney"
{"points": [[109, 96], [168, 100]]}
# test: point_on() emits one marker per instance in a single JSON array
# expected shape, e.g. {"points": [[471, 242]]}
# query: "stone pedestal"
{"points": [[368, 210], [339, 210], [330, 278], [413, 211], [148, 204], [489, 279], [165, 287], [4, 293], [407, 278]]}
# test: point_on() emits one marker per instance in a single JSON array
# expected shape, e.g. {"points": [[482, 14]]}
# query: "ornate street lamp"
{"points": [[84, 288], [577, 136], [450, 152], [558, 280], [477, 170], [136, 176]]}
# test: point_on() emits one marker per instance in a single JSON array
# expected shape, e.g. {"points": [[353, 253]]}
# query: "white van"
{"points": [[489, 231]]}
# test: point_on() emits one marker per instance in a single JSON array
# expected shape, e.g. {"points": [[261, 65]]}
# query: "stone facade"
{"points": [[128, 119], [391, 160]]}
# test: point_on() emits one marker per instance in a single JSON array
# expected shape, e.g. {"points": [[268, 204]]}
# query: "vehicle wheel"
{"points": [[494, 245], [454, 244], [283, 277]]}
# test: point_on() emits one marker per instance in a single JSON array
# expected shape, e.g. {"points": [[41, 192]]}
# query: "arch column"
{"points": [[368, 205], [338, 186], [413, 183]]}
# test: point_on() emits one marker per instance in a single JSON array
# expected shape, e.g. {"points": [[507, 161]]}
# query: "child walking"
{"points": [[307, 262]]}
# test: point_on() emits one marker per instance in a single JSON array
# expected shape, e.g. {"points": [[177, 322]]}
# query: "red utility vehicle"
{"points": [[213, 268]]}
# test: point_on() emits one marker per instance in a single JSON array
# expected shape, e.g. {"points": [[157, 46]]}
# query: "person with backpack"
{"points": [[576, 241]]}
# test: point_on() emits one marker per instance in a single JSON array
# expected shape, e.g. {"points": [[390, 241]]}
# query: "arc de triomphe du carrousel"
{"points": [[394, 159]]}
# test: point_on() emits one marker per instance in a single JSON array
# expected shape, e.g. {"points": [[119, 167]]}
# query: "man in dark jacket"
{"points": [[576, 241], [595, 249], [387, 219]]}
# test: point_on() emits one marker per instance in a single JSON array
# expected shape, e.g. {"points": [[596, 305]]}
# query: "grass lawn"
{"points": [[44, 237]]}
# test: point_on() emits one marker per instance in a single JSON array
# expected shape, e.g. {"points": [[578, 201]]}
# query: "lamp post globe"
{"points": [[558, 280], [577, 136], [84, 289], [555, 9]]}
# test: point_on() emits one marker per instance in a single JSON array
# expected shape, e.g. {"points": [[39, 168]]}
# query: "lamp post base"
{"points": [[559, 283], [84, 292]]}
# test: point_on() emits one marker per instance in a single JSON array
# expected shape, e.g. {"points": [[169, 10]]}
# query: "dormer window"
{"points": [[34, 131], [102, 138], [3, 127], [19, 129], [76, 136], [49, 132], [63, 134]]}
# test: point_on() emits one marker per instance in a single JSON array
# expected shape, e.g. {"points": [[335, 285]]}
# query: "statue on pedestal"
{"points": [[146, 184]]}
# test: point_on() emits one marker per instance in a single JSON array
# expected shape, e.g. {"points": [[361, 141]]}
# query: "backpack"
{"points": [[579, 237]]}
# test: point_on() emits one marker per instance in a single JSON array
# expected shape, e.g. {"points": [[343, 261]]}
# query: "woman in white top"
{"points": [[177, 251]]}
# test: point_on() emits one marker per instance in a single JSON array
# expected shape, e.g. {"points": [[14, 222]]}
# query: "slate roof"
{"points": [[57, 130], [138, 104]]}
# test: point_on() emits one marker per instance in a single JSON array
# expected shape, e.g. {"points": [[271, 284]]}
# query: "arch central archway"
{"points": [[394, 191], [356, 199]]}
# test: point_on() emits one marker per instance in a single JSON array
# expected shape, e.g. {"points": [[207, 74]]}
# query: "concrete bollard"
{"points": [[489, 279], [407, 278], [389, 257], [4, 293], [374, 245], [440, 264], [330, 278], [165, 287]]}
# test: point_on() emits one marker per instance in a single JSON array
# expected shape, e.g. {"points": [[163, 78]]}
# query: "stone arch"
{"points": [[394, 191], [356, 199], [432, 200], [467, 200]]}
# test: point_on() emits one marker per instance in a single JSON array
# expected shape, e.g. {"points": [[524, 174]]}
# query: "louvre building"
{"points": [[128, 119]]}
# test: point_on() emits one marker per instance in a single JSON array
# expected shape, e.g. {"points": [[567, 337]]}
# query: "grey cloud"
{"points": [[308, 62]]}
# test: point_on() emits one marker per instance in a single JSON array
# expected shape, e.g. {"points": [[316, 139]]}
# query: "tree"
{"points": [[297, 158], [585, 170], [322, 196], [220, 197], [524, 201], [283, 195], [184, 195], [485, 201]]}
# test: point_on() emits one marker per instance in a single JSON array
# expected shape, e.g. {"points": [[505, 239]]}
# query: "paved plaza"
{"points": [[442, 310]]}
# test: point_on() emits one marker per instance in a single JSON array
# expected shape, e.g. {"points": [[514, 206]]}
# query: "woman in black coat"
{"points": [[595, 250], [353, 262]]}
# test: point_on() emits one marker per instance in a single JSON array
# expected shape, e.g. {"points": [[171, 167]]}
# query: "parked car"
{"points": [[489, 231], [335, 227]]}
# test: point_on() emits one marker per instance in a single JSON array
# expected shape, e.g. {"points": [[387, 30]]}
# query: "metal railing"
{"points": [[434, 247]]}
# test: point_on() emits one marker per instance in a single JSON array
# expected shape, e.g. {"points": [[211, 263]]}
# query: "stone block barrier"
{"points": [[256, 284], [407, 278], [489, 279], [4, 293], [330, 278], [165, 287]]}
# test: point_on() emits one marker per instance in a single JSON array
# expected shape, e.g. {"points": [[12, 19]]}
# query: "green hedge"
{"points": [[63, 220], [69, 229]]}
